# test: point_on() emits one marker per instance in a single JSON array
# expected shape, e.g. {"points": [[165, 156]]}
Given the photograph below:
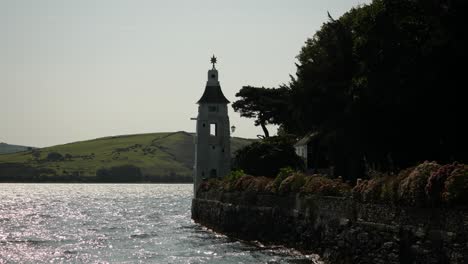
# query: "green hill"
{"points": [[7, 148], [160, 157]]}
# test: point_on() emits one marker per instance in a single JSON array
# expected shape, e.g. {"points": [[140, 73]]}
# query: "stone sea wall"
{"points": [[340, 230]]}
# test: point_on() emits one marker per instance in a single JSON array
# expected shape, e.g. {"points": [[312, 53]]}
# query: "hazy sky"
{"points": [[82, 69]]}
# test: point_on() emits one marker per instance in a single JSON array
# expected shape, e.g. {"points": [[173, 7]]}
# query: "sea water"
{"points": [[117, 223]]}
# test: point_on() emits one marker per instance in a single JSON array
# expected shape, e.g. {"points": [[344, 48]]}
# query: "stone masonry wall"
{"points": [[340, 230]]}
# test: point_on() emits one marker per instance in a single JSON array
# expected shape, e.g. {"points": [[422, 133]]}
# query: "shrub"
{"points": [[242, 183], [436, 183], [412, 188], [124, 173], [251, 183], [267, 157], [259, 184], [280, 177], [456, 186], [390, 185], [358, 189], [36, 153], [234, 175], [320, 185], [382, 188], [209, 184], [229, 181], [54, 156], [371, 190], [427, 183], [292, 183]]}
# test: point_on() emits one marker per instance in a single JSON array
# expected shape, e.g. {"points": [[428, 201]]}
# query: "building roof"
{"points": [[213, 95], [305, 140]]}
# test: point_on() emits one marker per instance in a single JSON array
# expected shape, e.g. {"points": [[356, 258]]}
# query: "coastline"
{"points": [[341, 230]]}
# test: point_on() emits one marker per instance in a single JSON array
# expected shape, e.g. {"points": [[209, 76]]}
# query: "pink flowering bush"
{"points": [[368, 190], [436, 182], [252, 183], [321, 185], [292, 183], [411, 190], [456, 186], [425, 184], [284, 173], [382, 188]]}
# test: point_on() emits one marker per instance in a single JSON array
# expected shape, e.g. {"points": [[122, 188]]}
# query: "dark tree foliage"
{"points": [[267, 157], [384, 85], [266, 105], [54, 156], [19, 172], [124, 173], [36, 153]]}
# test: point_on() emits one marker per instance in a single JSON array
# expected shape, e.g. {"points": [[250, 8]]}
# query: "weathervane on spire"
{"points": [[213, 60]]}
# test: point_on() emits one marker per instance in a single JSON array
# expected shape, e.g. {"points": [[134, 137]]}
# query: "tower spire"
{"points": [[213, 61], [213, 93]]}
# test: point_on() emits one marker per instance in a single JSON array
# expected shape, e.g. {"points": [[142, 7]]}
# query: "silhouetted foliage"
{"points": [[170, 178], [427, 184], [266, 105], [384, 85], [267, 157], [54, 156], [19, 172], [292, 182], [36, 153], [124, 173]]}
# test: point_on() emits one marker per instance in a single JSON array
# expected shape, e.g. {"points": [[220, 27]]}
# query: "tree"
{"points": [[54, 156], [122, 173], [267, 157], [36, 153], [319, 92], [266, 105], [383, 82]]}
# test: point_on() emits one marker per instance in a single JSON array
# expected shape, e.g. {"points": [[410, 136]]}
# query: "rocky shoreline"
{"points": [[339, 229]]}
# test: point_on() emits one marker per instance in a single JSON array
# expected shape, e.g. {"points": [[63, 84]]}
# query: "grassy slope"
{"points": [[156, 154], [7, 148]]}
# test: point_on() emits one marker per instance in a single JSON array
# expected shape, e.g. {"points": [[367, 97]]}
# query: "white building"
{"points": [[309, 149], [301, 146], [212, 141]]}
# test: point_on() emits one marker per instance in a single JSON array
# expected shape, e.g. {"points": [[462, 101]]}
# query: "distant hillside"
{"points": [[160, 157], [7, 148]]}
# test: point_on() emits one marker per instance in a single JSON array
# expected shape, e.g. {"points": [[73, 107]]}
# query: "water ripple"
{"points": [[110, 223]]}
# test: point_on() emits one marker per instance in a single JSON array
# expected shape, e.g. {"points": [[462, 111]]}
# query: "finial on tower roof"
{"points": [[213, 61]]}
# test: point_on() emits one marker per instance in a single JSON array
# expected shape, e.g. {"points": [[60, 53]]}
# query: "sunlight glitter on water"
{"points": [[116, 223]]}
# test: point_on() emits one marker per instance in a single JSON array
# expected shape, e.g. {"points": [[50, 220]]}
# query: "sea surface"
{"points": [[117, 223]]}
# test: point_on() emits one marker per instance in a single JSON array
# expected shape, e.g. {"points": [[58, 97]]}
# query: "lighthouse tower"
{"points": [[212, 142]]}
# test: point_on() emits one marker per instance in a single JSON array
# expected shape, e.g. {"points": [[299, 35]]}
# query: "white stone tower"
{"points": [[212, 142]]}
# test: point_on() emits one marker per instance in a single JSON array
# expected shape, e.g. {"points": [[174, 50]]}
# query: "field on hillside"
{"points": [[7, 148], [159, 156]]}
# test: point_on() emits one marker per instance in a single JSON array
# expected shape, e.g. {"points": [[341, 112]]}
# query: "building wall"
{"points": [[302, 151]]}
